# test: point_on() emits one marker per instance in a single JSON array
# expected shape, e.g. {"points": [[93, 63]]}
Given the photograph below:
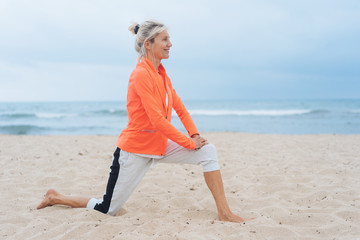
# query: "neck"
{"points": [[155, 62]]}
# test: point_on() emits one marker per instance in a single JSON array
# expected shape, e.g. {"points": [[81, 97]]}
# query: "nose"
{"points": [[169, 44]]}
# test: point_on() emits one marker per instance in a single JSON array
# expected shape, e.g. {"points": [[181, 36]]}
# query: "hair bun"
{"points": [[134, 28]]}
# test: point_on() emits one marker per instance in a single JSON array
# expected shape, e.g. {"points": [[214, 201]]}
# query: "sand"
{"points": [[297, 187]]}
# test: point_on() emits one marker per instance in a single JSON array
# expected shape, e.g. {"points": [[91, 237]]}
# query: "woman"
{"points": [[149, 136]]}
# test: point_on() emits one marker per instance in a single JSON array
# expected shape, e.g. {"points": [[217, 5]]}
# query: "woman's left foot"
{"points": [[233, 218], [49, 199]]}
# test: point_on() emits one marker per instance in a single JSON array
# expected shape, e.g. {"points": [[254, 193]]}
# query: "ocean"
{"points": [[250, 116]]}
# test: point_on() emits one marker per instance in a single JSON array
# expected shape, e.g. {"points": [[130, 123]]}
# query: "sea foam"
{"points": [[249, 112]]}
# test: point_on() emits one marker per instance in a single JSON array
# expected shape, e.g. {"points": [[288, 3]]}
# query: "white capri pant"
{"points": [[128, 169]]}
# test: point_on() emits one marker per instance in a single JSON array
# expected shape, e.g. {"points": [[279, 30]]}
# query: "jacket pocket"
{"points": [[148, 130]]}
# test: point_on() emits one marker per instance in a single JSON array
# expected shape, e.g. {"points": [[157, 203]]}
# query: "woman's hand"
{"points": [[199, 141]]}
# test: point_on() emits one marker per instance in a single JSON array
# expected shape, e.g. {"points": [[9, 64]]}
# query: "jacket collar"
{"points": [[150, 65]]}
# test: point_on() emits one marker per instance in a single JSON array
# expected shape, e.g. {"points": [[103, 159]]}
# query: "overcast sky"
{"points": [[81, 49]]}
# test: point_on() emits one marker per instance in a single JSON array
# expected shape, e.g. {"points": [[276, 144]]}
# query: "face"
{"points": [[160, 48]]}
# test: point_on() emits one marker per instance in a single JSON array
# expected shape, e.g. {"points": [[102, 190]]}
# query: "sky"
{"points": [[82, 50]]}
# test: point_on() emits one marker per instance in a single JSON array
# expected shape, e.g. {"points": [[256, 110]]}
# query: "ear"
{"points": [[147, 45]]}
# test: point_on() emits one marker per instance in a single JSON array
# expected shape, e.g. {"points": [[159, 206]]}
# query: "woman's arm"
{"points": [[187, 121], [184, 115], [144, 89]]}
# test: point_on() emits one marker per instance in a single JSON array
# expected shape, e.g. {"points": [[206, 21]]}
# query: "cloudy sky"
{"points": [[81, 50]]}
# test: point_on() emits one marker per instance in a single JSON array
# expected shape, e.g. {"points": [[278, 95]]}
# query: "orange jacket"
{"points": [[149, 125]]}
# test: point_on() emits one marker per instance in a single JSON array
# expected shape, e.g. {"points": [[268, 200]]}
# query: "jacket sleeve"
{"points": [[183, 114], [144, 87]]}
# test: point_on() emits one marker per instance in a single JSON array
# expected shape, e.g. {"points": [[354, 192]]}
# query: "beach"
{"points": [[295, 186]]}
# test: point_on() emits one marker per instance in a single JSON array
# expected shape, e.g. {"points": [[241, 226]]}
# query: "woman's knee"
{"points": [[209, 151], [210, 159]]}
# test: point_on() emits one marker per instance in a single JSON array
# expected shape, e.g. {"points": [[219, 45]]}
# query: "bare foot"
{"points": [[233, 218], [49, 199]]}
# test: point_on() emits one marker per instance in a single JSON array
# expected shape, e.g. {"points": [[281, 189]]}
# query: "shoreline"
{"points": [[296, 186]]}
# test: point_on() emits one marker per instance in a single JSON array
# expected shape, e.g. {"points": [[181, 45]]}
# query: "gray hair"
{"points": [[148, 30]]}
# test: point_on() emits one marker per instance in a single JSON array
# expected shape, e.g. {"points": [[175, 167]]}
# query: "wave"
{"points": [[54, 115], [21, 129], [47, 115], [17, 115], [113, 112], [35, 115], [354, 111], [319, 111], [251, 112], [193, 112]]}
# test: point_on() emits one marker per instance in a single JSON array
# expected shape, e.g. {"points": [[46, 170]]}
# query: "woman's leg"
{"points": [[54, 198], [207, 157], [126, 173], [214, 182], [132, 169]]}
